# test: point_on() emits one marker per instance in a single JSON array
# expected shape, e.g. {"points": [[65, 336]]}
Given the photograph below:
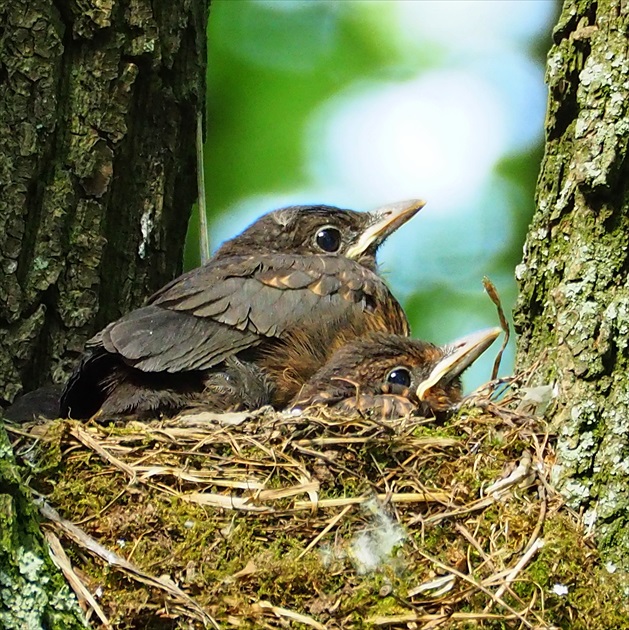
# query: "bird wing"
{"points": [[228, 305]]}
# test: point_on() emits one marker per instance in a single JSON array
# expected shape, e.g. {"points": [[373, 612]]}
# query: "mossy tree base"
{"points": [[32, 593]]}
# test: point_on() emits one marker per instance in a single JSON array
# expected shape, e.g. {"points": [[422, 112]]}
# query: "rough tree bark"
{"points": [[573, 309], [98, 105], [98, 109]]}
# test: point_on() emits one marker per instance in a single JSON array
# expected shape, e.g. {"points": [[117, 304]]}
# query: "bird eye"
{"points": [[328, 239], [399, 376]]}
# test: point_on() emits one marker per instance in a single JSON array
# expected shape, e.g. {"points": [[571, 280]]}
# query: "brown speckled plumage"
{"points": [[383, 373]]}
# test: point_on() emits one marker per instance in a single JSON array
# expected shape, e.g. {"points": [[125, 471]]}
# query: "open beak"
{"points": [[458, 356], [385, 221]]}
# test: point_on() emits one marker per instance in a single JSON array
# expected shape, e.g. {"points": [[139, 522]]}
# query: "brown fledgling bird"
{"points": [[254, 323], [394, 376]]}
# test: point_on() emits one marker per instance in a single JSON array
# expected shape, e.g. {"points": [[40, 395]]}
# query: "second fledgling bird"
{"points": [[393, 376]]}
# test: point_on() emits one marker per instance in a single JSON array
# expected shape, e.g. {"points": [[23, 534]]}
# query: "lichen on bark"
{"points": [[573, 309], [32, 593]]}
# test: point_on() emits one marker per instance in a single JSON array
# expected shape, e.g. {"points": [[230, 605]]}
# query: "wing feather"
{"points": [[215, 311]]}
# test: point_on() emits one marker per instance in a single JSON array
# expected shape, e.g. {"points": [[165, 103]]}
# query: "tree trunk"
{"points": [[573, 309], [98, 108]]}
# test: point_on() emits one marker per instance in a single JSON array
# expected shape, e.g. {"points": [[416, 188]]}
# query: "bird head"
{"points": [[437, 387], [426, 374], [318, 229]]}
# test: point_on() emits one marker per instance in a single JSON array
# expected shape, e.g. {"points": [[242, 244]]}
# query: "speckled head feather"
{"points": [[306, 230], [396, 374], [365, 367]]}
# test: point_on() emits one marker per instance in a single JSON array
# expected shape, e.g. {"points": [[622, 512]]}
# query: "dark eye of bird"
{"points": [[399, 376], [328, 239]]}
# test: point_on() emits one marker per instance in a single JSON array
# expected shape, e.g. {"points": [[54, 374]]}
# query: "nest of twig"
{"points": [[268, 520]]}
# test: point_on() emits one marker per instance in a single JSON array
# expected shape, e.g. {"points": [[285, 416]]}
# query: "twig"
{"points": [[492, 292], [540, 519], [113, 559], [61, 560], [290, 614], [87, 440], [204, 241], [398, 497], [521, 472], [325, 530], [496, 599], [398, 620], [524, 560]]}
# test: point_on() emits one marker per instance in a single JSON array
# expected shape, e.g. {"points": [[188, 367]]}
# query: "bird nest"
{"points": [[269, 520]]}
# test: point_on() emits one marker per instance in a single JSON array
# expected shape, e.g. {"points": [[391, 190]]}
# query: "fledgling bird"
{"points": [[394, 376], [299, 282]]}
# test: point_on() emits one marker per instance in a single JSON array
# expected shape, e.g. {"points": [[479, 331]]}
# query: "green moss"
{"points": [[593, 599], [32, 592]]}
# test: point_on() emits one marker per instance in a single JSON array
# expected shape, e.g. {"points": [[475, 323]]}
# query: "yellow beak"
{"points": [[458, 355], [385, 221]]}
